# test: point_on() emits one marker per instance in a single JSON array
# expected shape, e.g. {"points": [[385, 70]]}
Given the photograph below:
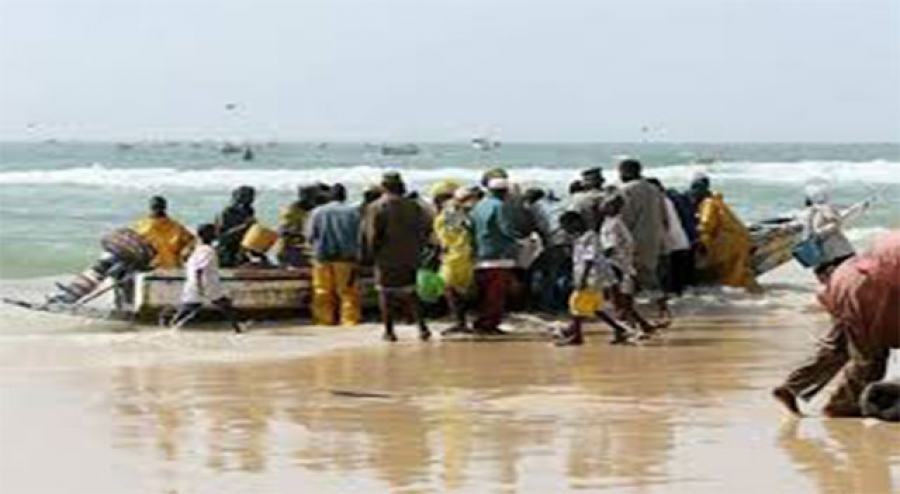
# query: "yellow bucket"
{"points": [[259, 239], [585, 303]]}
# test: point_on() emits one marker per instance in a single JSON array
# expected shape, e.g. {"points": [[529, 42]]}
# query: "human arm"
{"points": [[199, 277], [314, 226], [187, 242], [853, 211], [503, 216], [588, 266], [824, 222]]}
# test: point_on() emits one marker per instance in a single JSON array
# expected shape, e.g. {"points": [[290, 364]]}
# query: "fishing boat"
{"points": [[774, 239], [484, 143], [278, 292], [400, 149], [773, 243], [258, 291]]}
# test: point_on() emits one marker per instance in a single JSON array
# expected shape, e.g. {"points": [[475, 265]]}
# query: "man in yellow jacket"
{"points": [[724, 241], [172, 241]]}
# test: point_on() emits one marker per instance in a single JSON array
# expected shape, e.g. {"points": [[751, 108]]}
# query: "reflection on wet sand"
{"points": [[845, 458], [687, 413], [511, 417]]}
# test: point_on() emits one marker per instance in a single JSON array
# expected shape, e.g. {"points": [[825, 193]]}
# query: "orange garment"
{"points": [[335, 282], [727, 243], [170, 238]]}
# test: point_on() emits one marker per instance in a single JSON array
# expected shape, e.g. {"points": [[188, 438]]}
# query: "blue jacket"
{"points": [[687, 213], [494, 235], [334, 232]]}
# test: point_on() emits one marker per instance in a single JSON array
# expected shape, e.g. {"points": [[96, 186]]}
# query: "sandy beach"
{"points": [[94, 407]]}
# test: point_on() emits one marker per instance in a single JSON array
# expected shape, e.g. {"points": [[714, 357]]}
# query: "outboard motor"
{"points": [[124, 253]]}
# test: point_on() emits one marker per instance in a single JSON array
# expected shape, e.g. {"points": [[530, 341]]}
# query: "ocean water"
{"points": [[58, 198]]}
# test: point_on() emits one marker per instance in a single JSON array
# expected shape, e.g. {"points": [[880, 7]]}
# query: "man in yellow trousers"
{"points": [[334, 237]]}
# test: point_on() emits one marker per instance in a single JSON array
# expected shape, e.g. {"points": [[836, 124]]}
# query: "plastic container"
{"points": [[585, 303], [259, 239]]}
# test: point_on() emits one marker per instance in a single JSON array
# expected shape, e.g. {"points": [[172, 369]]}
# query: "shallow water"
{"points": [[86, 189], [279, 410]]}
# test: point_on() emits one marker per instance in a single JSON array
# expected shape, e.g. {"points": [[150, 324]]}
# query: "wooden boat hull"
{"points": [[253, 290], [774, 240], [773, 244]]}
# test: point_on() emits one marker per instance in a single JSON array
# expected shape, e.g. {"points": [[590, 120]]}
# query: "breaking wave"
{"points": [[98, 175]]}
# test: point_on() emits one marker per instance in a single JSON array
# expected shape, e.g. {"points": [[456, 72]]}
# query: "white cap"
{"points": [[818, 193], [498, 184]]}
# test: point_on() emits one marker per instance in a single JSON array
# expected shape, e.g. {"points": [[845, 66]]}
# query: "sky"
{"points": [[438, 70]]}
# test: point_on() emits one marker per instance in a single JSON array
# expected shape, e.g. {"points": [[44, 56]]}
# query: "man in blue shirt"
{"points": [[496, 250], [334, 237]]}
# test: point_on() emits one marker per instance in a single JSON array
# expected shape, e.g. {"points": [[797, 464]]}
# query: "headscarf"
{"points": [[818, 193]]}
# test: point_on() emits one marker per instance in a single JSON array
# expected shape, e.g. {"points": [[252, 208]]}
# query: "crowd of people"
{"points": [[491, 243], [496, 247]]}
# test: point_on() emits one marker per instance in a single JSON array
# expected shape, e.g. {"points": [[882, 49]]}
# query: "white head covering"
{"points": [[464, 193], [498, 184], [818, 193]]}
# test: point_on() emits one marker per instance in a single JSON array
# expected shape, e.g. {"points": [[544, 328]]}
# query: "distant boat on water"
{"points": [[400, 149], [230, 148], [484, 143]]}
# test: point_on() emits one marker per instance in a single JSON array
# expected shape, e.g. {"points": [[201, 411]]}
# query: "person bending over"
{"points": [[863, 297]]}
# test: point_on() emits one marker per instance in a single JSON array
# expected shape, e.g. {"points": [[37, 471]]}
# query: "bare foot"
{"points": [[786, 398]]}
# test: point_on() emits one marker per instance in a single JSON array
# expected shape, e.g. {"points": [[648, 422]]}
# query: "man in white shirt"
{"points": [[202, 283]]}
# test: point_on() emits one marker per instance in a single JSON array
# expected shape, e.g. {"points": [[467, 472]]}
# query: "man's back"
{"points": [[864, 293], [494, 236], [587, 203], [398, 230], [334, 232], [169, 237]]}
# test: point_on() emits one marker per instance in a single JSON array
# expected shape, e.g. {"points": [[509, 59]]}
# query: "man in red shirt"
{"points": [[863, 297]]}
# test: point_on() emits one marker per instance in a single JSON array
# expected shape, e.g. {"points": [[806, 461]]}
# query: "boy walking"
{"points": [[202, 283], [591, 273], [618, 248]]}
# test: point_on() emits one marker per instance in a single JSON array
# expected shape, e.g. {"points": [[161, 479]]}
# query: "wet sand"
{"points": [[285, 409]]}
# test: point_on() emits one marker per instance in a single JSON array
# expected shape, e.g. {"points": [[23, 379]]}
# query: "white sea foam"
{"points": [[872, 173]]}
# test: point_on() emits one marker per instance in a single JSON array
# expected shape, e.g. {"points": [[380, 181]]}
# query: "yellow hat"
{"points": [[444, 188]]}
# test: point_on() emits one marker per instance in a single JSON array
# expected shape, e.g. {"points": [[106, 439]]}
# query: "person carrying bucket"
{"points": [[592, 273]]}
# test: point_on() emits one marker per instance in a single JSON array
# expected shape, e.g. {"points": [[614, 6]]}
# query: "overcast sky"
{"points": [[534, 70]]}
